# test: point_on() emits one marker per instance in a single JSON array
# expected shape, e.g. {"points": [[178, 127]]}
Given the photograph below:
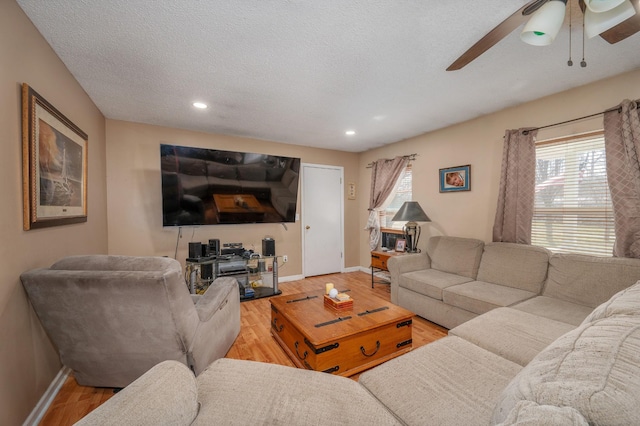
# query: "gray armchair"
{"points": [[114, 317]]}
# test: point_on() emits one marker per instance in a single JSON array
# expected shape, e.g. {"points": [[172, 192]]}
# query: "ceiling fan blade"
{"points": [[624, 29], [503, 29]]}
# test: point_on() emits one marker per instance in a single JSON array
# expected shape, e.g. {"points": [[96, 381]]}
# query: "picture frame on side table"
{"points": [[401, 244], [455, 179], [54, 165]]}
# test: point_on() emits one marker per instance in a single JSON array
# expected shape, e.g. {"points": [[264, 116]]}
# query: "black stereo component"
{"points": [[268, 246], [195, 250], [206, 271], [214, 247]]}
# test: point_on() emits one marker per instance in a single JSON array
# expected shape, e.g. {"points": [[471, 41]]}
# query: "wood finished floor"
{"points": [[254, 343]]}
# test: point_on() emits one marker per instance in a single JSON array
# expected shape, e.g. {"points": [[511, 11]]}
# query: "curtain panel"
{"points": [[514, 213], [622, 146], [384, 176]]}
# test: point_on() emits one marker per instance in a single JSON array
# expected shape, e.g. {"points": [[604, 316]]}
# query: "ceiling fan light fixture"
{"points": [[544, 24], [599, 6], [597, 23]]}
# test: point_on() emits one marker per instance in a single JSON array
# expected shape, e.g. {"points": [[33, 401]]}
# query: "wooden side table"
{"points": [[379, 261]]}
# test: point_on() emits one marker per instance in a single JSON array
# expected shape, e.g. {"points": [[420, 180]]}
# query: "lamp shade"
{"points": [[597, 23], [599, 6], [411, 212], [544, 25]]}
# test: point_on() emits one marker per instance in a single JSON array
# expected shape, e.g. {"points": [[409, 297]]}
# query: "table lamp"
{"points": [[412, 213]]}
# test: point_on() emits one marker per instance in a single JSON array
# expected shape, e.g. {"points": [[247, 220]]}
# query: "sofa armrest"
{"points": [[166, 394], [398, 265], [219, 323], [214, 298]]}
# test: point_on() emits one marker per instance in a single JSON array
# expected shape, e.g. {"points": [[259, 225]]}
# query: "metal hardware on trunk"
{"points": [[373, 311], [405, 343], [274, 325], [404, 323], [332, 369], [304, 355], [323, 349], [302, 300], [376, 351], [274, 309], [322, 324]]}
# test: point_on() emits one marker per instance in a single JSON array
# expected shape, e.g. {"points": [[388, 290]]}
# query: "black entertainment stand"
{"points": [[202, 271]]}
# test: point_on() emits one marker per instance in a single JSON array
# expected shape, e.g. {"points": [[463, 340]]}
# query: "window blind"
{"points": [[572, 207], [402, 193]]}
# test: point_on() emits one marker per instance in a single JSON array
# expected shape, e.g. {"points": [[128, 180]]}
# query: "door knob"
{"points": [[307, 227]]}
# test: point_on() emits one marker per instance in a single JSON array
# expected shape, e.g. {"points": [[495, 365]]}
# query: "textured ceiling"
{"points": [[303, 72]]}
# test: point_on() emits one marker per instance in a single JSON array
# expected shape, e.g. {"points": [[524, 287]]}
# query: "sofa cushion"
{"points": [[458, 383], [555, 309], [589, 280], [164, 395], [528, 413], [195, 185], [235, 392], [455, 255], [514, 265], [192, 166], [288, 176], [251, 172], [430, 282], [594, 369], [480, 297], [625, 302], [221, 171], [515, 335]]}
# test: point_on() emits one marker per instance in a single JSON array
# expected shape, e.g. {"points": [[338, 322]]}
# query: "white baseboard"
{"points": [[290, 278], [42, 406], [356, 269]]}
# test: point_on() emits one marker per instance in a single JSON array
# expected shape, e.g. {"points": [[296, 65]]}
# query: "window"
{"points": [[572, 208], [402, 194]]}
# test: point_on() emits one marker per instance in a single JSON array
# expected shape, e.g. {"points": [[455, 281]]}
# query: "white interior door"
{"points": [[322, 219]]}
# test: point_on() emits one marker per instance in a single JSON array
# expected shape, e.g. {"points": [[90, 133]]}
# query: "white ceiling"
{"points": [[305, 71]]}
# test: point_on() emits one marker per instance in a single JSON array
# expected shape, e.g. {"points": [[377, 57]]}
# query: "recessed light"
{"points": [[350, 132], [200, 105]]}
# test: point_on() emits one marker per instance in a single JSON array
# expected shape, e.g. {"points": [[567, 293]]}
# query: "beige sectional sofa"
{"points": [[458, 279], [540, 363]]}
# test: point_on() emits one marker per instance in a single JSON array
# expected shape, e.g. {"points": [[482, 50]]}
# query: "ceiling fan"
{"points": [[613, 20]]}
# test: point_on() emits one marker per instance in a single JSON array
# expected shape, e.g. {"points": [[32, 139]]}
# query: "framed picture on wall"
{"points": [[455, 179], [400, 244], [54, 165]]}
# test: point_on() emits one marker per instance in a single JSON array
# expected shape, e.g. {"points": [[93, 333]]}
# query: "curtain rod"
{"points": [[410, 157], [619, 109]]}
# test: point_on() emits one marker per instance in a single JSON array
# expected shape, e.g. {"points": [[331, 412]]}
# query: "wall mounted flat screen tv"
{"points": [[209, 187]]}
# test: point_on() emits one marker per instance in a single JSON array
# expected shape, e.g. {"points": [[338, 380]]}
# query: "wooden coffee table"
{"points": [[340, 341], [233, 206]]}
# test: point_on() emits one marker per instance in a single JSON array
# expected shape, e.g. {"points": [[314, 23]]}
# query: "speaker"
{"points": [[206, 271], [268, 247], [195, 250], [214, 247]]}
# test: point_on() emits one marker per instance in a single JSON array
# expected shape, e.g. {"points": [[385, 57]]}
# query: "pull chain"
{"points": [[583, 63], [570, 62]]}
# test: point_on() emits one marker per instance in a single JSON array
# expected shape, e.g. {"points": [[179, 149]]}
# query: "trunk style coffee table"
{"points": [[238, 207], [340, 341]]}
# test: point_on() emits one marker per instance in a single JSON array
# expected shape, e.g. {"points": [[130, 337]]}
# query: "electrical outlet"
{"points": [[285, 258]]}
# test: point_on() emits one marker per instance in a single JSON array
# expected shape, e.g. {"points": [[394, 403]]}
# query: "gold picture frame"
{"points": [[54, 165]]}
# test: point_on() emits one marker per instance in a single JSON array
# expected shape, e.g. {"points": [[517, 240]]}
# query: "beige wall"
{"points": [[479, 143], [124, 190], [134, 195], [28, 361]]}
